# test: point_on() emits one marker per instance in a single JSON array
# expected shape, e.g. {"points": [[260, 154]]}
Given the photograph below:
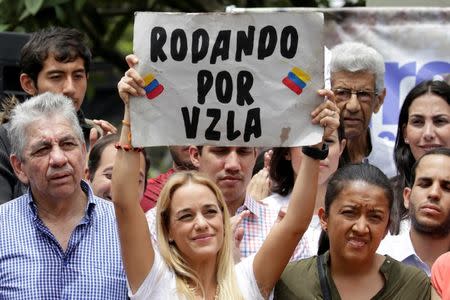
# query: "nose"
{"points": [[428, 133], [200, 223], [360, 226], [232, 162], [69, 87], [434, 192], [353, 104], [57, 157]]}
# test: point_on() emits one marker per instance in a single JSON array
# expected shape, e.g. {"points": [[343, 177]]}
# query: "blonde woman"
{"points": [[194, 259]]}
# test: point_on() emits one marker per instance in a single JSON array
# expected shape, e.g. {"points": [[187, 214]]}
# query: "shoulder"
{"points": [[299, 281], [405, 281], [308, 265], [298, 278], [17, 205], [442, 265], [103, 211], [276, 201], [442, 260]]}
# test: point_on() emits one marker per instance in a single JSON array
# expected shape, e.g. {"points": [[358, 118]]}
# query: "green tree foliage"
{"points": [[108, 23]]}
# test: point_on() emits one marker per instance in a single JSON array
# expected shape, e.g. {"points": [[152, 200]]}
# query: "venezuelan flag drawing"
{"points": [[152, 87], [296, 80]]}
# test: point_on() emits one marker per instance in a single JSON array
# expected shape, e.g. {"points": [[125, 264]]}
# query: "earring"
{"points": [[406, 141]]}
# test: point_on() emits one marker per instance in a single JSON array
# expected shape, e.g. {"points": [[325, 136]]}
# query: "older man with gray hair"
{"points": [[357, 80], [58, 240]]}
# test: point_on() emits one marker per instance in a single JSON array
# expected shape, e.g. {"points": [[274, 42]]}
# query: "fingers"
{"points": [[128, 86], [267, 158], [236, 220], [327, 113], [259, 186], [106, 126], [330, 124], [238, 235], [132, 60], [131, 84], [93, 137]]}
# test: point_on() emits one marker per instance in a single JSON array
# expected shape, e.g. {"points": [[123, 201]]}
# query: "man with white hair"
{"points": [[357, 80], [58, 240]]}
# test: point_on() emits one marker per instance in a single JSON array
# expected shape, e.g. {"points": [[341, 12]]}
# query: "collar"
{"points": [[251, 205], [91, 203]]}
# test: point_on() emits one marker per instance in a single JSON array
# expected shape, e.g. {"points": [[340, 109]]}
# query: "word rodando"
{"points": [[245, 44]]}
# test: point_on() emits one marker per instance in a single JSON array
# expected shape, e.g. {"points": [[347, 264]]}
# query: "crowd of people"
{"points": [[351, 217]]}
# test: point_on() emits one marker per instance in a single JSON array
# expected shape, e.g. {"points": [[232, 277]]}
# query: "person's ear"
{"points": [[405, 134], [194, 154], [28, 84], [342, 146], [87, 174], [17, 165], [406, 197], [323, 218], [379, 99]]}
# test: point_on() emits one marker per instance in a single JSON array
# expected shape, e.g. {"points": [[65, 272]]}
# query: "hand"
{"points": [[238, 233], [131, 84], [259, 186], [106, 128], [327, 113]]}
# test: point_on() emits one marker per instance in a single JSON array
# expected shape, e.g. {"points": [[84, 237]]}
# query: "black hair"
{"points": [[403, 157], [347, 174], [96, 152], [281, 171], [65, 44]]}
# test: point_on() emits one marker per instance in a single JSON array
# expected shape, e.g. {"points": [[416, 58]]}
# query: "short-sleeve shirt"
{"points": [[440, 276], [34, 266], [300, 280]]}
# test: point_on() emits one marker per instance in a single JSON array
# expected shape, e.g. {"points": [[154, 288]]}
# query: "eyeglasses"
{"points": [[346, 94]]}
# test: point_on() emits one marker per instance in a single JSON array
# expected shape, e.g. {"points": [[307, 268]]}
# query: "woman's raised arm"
{"points": [[137, 251], [274, 254]]}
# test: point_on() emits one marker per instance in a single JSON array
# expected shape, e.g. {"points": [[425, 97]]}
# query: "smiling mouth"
{"points": [[203, 238], [429, 147]]}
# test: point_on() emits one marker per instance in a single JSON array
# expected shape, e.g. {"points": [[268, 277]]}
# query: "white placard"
{"points": [[228, 79]]}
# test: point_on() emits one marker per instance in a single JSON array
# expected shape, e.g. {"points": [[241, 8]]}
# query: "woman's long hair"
{"points": [[403, 157], [226, 280]]}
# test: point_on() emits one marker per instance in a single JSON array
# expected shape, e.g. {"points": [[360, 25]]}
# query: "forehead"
{"points": [[361, 193], [108, 156], [429, 103], [434, 166], [206, 149], [51, 64], [354, 80], [192, 196], [53, 128]]}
